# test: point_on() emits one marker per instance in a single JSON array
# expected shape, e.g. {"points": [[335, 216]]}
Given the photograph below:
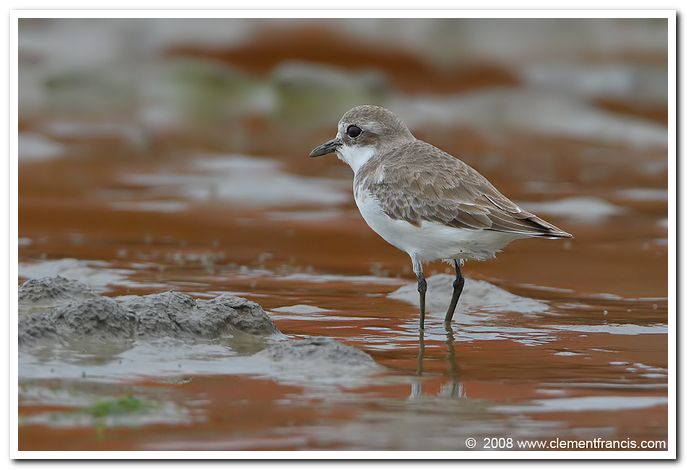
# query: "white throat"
{"points": [[355, 156]]}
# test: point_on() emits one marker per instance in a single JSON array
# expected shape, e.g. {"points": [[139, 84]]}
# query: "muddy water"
{"points": [[551, 340]]}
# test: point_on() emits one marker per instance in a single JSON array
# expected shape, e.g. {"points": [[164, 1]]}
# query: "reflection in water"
{"points": [[421, 352], [451, 389], [454, 388]]}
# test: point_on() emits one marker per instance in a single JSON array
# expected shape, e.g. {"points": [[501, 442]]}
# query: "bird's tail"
{"points": [[546, 229]]}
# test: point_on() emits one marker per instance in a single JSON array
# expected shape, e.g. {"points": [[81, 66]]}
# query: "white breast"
{"points": [[355, 156], [430, 241]]}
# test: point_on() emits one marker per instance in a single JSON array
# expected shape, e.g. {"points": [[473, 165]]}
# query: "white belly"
{"points": [[431, 241]]}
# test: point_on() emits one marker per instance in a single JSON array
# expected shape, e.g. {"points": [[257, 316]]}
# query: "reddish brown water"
{"points": [[173, 211]]}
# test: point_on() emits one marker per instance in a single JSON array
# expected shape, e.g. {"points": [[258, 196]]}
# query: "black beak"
{"points": [[324, 149]]}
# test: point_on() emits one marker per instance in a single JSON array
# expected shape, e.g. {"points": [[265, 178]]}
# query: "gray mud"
{"points": [[59, 308], [68, 331], [317, 354], [477, 296], [39, 295]]}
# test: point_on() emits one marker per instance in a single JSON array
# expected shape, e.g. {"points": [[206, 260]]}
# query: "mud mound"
{"points": [[323, 350], [49, 292], [58, 308], [477, 296], [317, 360]]}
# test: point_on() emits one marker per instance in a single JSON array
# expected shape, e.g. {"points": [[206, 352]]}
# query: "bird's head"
{"points": [[365, 131]]}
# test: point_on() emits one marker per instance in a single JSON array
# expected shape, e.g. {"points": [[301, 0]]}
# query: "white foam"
{"points": [[96, 274], [151, 206], [539, 112], [307, 309], [244, 180], [318, 278], [616, 329], [35, 148], [93, 273], [582, 209], [644, 194], [581, 404], [307, 216], [84, 129], [628, 81]]}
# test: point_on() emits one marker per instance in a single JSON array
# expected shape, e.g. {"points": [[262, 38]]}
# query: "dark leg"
{"points": [[458, 284], [422, 289]]}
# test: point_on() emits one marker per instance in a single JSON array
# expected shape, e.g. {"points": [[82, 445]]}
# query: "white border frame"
{"points": [[670, 15]]}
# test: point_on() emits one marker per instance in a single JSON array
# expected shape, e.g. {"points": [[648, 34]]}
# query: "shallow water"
{"points": [[552, 339]]}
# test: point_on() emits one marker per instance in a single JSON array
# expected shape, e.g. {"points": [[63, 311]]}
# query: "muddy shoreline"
{"points": [[220, 291]]}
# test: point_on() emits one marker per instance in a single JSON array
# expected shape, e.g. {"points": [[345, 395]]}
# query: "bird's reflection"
{"points": [[451, 389]]}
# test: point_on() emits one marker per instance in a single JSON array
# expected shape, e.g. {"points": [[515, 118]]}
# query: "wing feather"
{"points": [[423, 183]]}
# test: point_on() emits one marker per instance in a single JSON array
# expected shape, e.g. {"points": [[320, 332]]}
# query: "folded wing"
{"points": [[418, 182]]}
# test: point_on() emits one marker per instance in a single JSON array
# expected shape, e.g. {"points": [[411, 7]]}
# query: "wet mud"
{"points": [[101, 319]]}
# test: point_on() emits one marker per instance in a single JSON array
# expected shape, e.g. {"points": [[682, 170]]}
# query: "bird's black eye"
{"points": [[353, 131]]}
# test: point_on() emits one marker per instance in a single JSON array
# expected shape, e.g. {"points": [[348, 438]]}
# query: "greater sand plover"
{"points": [[423, 200]]}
